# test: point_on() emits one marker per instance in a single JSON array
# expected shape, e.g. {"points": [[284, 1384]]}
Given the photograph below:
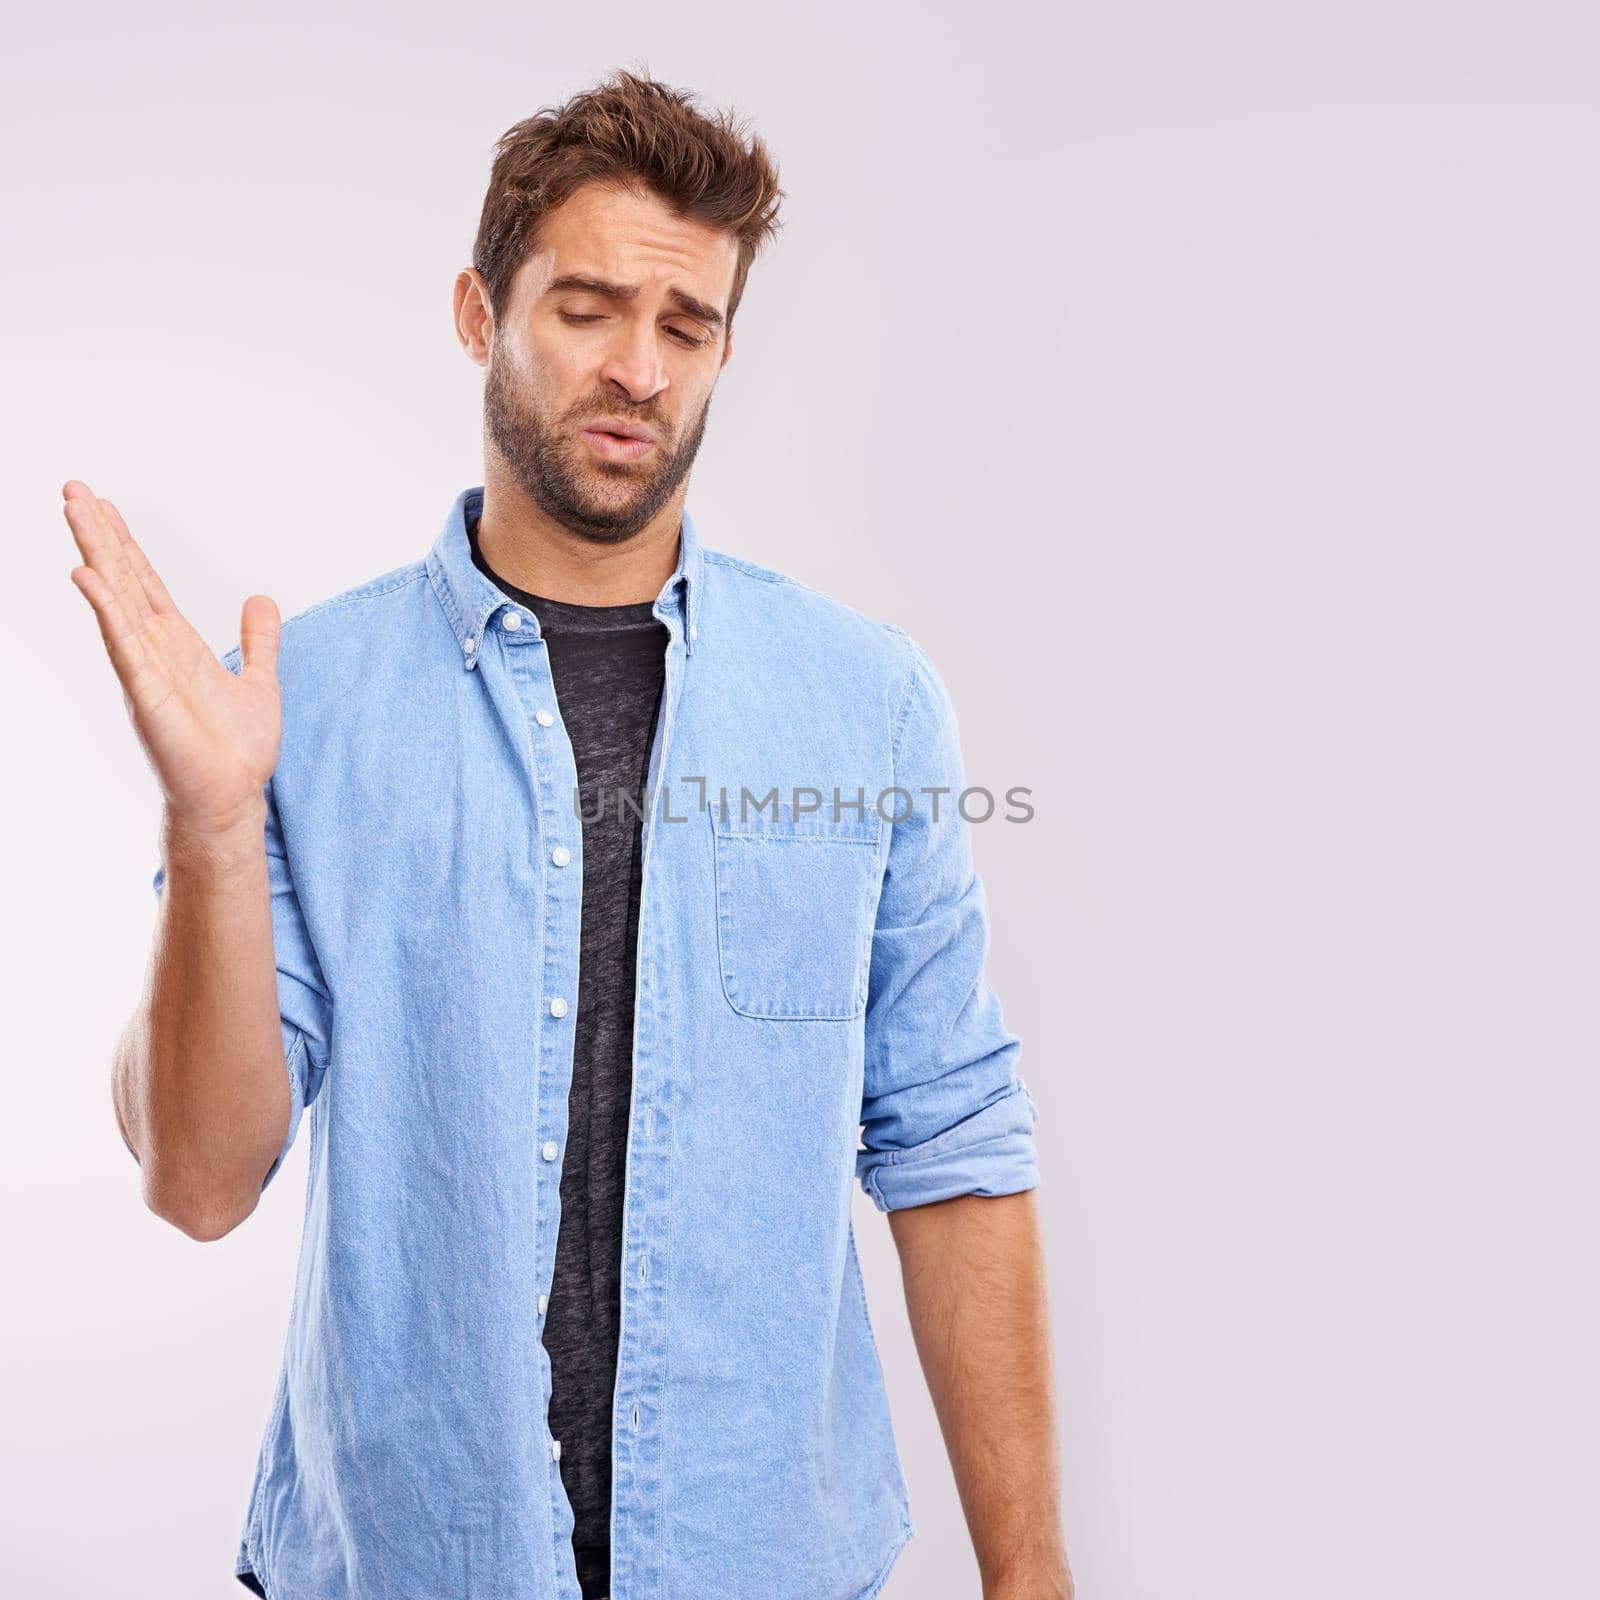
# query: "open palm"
{"points": [[211, 736]]}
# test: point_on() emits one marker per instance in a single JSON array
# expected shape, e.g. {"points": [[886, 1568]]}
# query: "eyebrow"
{"points": [[576, 281]]}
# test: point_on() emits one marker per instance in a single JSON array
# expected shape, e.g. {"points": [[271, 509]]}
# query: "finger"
{"points": [[259, 625], [105, 553], [100, 550], [124, 647], [148, 589], [160, 600]]}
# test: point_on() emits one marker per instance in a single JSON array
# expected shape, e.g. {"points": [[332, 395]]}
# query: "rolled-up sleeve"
{"points": [[304, 1003], [943, 1110]]}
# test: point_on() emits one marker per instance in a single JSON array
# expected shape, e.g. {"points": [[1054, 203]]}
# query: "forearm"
{"points": [[199, 1083], [973, 1270]]}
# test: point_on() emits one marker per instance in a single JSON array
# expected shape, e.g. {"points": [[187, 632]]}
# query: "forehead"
{"points": [[628, 237]]}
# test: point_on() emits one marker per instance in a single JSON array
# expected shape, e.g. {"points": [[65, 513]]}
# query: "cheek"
{"points": [[557, 375], [694, 404]]}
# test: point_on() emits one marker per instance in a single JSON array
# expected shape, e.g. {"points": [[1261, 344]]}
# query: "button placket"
{"points": [[642, 1334], [555, 966]]}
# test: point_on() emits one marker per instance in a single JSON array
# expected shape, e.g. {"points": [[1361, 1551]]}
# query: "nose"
{"points": [[633, 360]]}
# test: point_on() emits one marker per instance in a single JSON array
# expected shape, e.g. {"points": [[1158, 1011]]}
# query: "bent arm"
{"points": [[200, 1084]]}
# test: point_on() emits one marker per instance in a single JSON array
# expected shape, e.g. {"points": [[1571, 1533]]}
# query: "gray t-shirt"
{"points": [[608, 664]]}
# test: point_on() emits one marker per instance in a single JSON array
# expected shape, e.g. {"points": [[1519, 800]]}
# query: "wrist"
{"points": [[214, 847], [1044, 1578], [1045, 1587]]}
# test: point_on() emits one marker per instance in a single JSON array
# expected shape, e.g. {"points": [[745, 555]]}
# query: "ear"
{"points": [[473, 318], [727, 348]]}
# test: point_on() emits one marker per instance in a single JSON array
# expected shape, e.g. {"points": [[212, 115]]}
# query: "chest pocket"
{"points": [[796, 897]]}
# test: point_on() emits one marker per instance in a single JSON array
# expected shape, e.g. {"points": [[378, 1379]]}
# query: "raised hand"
{"points": [[211, 736]]}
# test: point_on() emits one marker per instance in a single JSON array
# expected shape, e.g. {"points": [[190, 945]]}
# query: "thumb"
{"points": [[258, 635]]}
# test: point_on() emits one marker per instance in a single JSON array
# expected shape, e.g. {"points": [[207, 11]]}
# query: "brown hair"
{"points": [[637, 133]]}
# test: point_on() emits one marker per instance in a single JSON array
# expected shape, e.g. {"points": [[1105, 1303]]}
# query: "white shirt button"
{"points": [[549, 1149], [469, 645], [512, 620], [558, 1007], [543, 718], [555, 1449], [544, 1302], [561, 855]]}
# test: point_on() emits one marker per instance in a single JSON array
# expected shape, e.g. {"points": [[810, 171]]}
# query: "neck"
{"points": [[532, 551]]}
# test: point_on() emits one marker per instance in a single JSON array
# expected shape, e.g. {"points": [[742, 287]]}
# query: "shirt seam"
{"points": [[771, 575], [904, 715], [412, 576], [721, 558]]}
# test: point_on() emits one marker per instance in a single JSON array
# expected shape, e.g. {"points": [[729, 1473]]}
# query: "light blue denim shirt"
{"points": [[806, 973]]}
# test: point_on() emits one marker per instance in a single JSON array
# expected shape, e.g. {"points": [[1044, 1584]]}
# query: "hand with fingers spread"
{"points": [[211, 736]]}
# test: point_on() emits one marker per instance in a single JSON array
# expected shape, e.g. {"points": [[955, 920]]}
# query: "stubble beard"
{"points": [[550, 466]]}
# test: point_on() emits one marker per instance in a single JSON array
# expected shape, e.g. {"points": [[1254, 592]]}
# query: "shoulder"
{"points": [[368, 594], [339, 622], [764, 604]]}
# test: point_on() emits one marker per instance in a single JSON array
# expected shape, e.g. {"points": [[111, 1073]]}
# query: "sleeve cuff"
{"points": [[992, 1152], [295, 1052]]}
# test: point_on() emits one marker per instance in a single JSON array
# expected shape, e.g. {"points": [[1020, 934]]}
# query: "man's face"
{"points": [[616, 317]]}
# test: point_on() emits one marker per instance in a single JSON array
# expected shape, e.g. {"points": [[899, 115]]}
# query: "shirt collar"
{"points": [[469, 598]]}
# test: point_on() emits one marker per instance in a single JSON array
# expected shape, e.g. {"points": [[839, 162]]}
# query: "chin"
{"points": [[598, 511]]}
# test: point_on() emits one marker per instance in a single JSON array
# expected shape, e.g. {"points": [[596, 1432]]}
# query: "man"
{"points": [[578, 1311]]}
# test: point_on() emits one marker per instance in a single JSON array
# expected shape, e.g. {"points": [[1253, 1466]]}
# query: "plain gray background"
{"points": [[1212, 390]]}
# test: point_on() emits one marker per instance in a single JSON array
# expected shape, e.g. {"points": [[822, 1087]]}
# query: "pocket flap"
{"points": [[761, 817]]}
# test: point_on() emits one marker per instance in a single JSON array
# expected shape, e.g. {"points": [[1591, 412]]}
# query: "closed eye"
{"points": [[684, 338]]}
